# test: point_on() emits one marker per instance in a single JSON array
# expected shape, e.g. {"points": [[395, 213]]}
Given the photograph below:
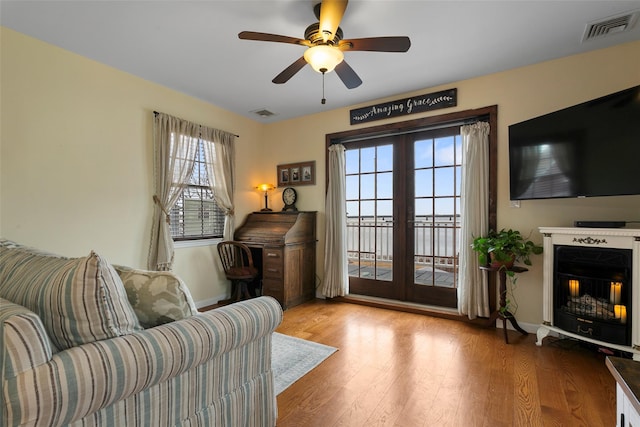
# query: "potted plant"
{"points": [[504, 247], [501, 249]]}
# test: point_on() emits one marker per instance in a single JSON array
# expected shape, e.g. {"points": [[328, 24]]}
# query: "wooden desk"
{"points": [[283, 245], [501, 312]]}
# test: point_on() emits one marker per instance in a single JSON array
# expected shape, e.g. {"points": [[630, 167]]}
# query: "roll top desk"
{"points": [[283, 246]]}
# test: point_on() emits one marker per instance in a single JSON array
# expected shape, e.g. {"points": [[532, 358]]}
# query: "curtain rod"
{"points": [[396, 132], [155, 113]]}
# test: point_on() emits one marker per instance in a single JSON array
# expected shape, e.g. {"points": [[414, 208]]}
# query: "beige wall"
{"points": [[76, 158], [75, 153]]}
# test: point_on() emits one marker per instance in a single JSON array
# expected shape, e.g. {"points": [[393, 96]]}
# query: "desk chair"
{"points": [[238, 267]]}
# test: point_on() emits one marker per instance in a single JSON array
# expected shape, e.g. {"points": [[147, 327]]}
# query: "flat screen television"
{"points": [[590, 149]]}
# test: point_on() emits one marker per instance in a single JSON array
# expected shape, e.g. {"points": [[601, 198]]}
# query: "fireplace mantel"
{"points": [[618, 238]]}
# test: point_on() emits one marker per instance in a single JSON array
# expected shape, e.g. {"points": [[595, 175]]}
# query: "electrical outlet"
{"points": [[515, 203]]}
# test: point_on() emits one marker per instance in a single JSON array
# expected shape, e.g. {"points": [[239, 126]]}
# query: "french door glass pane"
{"points": [[367, 186], [352, 165], [424, 182], [384, 186], [368, 159], [445, 183], [353, 185], [423, 154], [437, 209], [384, 158], [444, 149], [369, 191]]}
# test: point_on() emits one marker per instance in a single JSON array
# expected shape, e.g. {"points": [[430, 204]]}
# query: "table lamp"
{"points": [[266, 188]]}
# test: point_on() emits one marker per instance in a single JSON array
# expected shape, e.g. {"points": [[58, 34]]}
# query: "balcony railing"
{"points": [[436, 247]]}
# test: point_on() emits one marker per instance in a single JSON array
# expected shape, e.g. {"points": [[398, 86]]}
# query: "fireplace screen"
{"points": [[592, 292]]}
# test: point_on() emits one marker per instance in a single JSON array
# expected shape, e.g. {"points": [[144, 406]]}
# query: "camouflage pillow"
{"points": [[157, 297]]}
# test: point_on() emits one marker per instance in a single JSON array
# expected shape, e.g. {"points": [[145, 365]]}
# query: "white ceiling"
{"points": [[193, 46]]}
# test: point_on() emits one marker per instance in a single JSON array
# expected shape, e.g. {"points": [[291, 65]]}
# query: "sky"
{"points": [[436, 179]]}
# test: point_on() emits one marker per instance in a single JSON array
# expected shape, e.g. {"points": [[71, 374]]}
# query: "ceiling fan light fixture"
{"points": [[323, 58]]}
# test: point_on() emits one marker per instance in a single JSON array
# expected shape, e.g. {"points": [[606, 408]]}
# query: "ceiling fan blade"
{"points": [[347, 75], [377, 44], [266, 37], [289, 72], [331, 12]]}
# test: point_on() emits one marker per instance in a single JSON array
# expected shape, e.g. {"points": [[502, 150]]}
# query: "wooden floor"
{"points": [[404, 369]]}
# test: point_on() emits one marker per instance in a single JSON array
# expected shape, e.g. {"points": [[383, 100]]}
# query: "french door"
{"points": [[403, 216]]}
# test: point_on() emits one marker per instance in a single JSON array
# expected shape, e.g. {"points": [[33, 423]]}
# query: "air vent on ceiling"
{"points": [[611, 25], [264, 113]]}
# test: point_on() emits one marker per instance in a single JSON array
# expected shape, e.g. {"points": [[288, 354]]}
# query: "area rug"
{"points": [[292, 358]]}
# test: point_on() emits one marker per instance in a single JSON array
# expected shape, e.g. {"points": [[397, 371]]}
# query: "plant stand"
{"points": [[501, 312]]}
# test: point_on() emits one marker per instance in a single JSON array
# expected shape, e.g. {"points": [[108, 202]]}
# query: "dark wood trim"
{"points": [[489, 113], [407, 125]]}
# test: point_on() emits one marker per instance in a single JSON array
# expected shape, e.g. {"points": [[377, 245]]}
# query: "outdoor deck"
{"points": [[424, 275], [370, 242]]}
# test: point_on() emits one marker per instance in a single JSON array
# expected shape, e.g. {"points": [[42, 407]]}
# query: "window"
{"points": [[196, 214], [193, 186]]}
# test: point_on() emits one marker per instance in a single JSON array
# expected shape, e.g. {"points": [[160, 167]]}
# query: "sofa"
{"points": [[84, 342]]}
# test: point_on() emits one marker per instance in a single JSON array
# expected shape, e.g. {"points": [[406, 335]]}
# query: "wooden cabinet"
{"points": [[627, 375], [284, 250], [626, 414]]}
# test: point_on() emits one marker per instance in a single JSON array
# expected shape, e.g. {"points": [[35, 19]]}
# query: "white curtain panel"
{"points": [[219, 150], [473, 292], [336, 275], [175, 144]]}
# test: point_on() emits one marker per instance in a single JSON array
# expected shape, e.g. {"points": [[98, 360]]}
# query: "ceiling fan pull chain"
{"points": [[324, 101]]}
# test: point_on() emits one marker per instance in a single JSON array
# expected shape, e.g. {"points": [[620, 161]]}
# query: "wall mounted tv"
{"points": [[590, 149]]}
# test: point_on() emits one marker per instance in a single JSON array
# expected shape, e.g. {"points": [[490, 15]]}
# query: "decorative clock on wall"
{"points": [[289, 197]]}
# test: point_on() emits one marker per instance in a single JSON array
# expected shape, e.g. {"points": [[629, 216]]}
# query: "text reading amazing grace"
{"points": [[413, 105]]}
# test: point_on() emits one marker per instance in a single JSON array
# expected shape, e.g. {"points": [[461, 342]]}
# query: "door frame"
{"points": [[489, 113]]}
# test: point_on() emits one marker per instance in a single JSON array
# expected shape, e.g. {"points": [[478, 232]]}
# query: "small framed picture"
{"points": [[295, 174], [283, 176], [303, 173], [306, 173]]}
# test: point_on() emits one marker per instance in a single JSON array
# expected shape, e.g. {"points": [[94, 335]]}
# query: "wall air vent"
{"points": [[611, 25], [264, 113]]}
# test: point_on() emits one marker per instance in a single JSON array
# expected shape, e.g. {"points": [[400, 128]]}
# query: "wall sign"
{"points": [[403, 107]]}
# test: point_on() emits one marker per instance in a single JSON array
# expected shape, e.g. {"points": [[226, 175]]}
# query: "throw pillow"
{"points": [[157, 297], [79, 300]]}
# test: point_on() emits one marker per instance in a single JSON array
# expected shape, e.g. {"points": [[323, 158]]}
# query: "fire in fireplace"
{"points": [[593, 292]]}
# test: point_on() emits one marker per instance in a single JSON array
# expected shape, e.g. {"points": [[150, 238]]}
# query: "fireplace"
{"points": [[591, 286], [592, 292]]}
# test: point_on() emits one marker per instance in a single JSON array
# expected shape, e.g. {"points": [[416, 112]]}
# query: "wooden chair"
{"points": [[238, 267]]}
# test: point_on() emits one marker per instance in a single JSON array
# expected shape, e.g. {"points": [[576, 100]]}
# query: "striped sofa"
{"points": [[85, 343]]}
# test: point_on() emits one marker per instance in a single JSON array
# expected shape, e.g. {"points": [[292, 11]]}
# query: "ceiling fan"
{"points": [[325, 45]]}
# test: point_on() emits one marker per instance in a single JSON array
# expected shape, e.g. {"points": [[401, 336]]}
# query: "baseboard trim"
{"points": [[445, 313], [532, 328], [210, 301]]}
